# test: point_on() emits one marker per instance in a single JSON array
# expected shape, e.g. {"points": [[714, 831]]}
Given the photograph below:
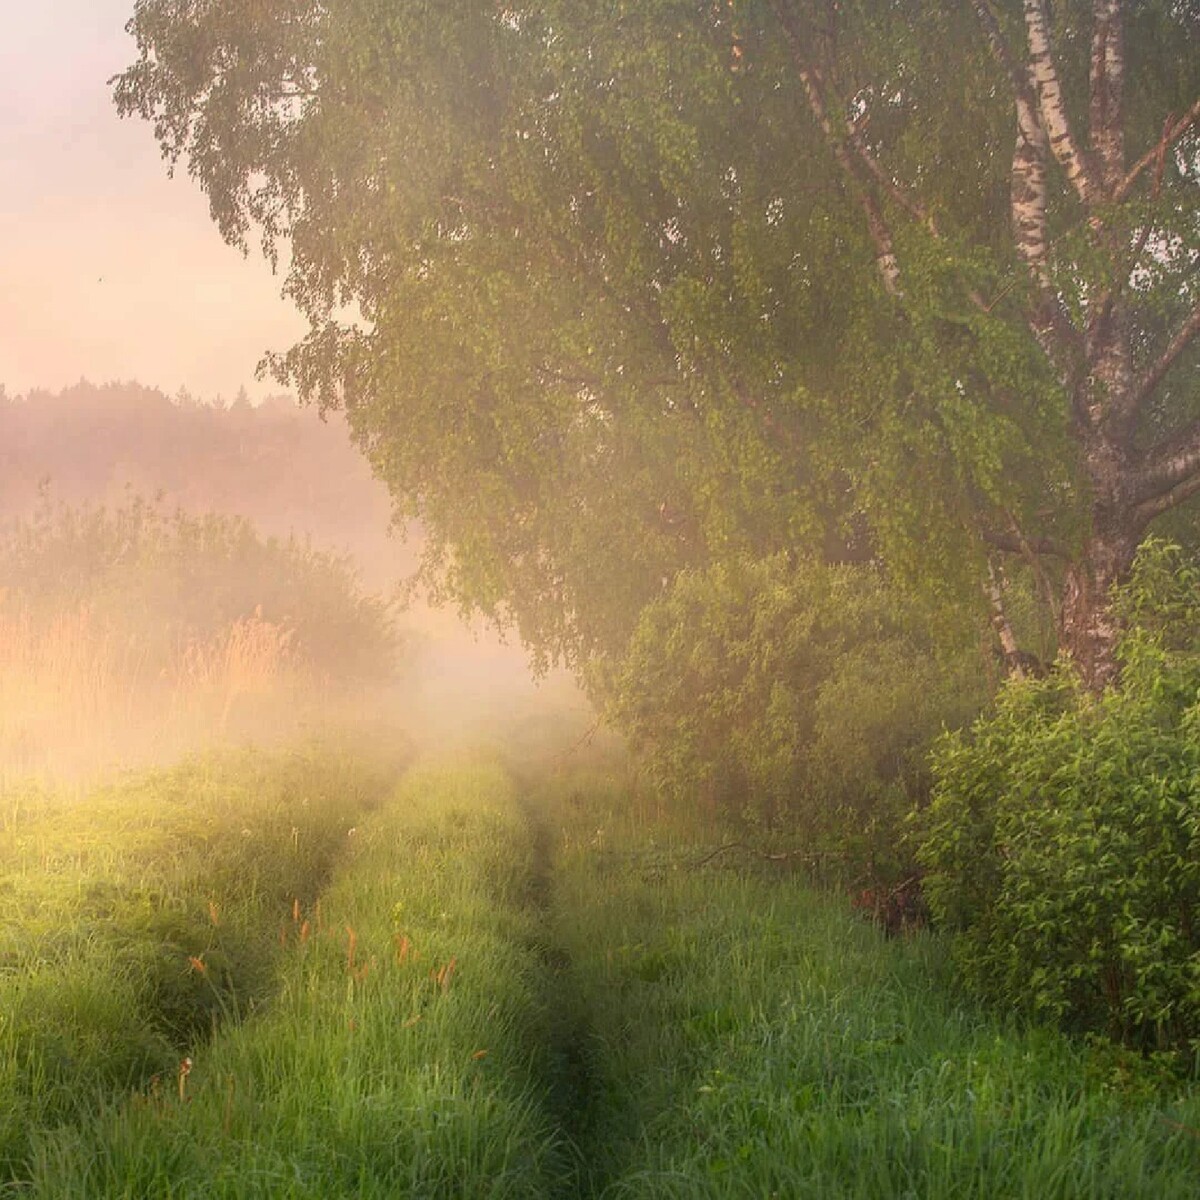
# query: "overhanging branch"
{"points": [[1168, 500], [1158, 370], [1171, 135], [1011, 543], [840, 144]]}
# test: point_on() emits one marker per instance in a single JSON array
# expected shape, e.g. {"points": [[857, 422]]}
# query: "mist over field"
{"points": [[177, 572], [600, 601]]}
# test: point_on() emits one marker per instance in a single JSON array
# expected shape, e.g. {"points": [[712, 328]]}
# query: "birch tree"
{"points": [[1109, 297], [614, 289]]}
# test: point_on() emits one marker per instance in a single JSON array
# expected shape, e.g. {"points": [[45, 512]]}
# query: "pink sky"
{"points": [[111, 270]]}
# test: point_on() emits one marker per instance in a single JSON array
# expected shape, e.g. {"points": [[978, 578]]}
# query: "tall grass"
{"points": [[78, 691], [502, 996], [398, 1058], [137, 920], [750, 1038]]}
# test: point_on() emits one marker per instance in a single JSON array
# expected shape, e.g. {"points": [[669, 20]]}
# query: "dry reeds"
{"points": [[80, 691], [247, 658]]}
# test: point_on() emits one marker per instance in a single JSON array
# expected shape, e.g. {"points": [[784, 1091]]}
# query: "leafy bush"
{"points": [[133, 635], [800, 697], [1063, 841], [166, 578]]}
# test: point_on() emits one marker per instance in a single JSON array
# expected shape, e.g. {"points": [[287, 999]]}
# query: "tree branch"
{"points": [[1049, 322], [1171, 463], [810, 78], [1018, 75], [1074, 160], [1001, 625], [1178, 344], [1147, 511], [1034, 563], [902, 196], [1028, 201], [1124, 274], [1172, 134], [1107, 83], [1013, 543]]}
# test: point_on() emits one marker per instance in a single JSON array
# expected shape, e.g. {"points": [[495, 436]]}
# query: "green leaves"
{"points": [[595, 285], [586, 280], [795, 695], [1062, 842]]}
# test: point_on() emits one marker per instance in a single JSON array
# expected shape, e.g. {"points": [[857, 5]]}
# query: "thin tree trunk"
{"points": [[1013, 659]]}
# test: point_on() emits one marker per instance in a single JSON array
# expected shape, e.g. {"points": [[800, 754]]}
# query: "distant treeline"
{"points": [[279, 465]]}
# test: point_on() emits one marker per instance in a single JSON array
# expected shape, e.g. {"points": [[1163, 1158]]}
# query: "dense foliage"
{"points": [[799, 696], [1063, 843], [610, 291]]}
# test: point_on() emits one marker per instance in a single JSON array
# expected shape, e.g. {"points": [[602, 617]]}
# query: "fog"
{"points": [[116, 272], [176, 574]]}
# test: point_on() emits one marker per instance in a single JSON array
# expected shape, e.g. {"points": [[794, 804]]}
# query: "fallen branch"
{"points": [[766, 856], [586, 740]]}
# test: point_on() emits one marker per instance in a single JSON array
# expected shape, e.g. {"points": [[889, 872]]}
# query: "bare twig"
{"points": [[586, 740], [1178, 344], [766, 856]]}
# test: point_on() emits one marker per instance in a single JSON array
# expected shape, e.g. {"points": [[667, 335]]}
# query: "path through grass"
{"points": [[747, 1037], [525, 992], [137, 919]]}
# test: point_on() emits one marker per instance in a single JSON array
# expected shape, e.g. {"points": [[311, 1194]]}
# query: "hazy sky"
{"points": [[111, 270]]}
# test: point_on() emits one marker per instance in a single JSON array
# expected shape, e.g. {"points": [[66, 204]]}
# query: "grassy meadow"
{"points": [[309, 974], [299, 967], [137, 921], [750, 1037]]}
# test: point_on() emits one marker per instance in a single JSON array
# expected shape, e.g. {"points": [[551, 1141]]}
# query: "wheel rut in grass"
{"points": [[572, 1080]]}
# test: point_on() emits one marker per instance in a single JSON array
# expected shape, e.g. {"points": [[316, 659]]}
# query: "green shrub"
{"points": [[1063, 841], [799, 697]]}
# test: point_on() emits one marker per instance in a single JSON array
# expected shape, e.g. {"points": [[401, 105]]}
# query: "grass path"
{"points": [[403, 1054], [138, 920], [745, 1037], [524, 992]]}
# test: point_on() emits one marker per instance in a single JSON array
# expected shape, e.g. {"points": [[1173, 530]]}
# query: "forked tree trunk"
{"points": [[1127, 484]]}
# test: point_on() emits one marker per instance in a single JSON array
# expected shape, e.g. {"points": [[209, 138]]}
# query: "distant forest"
{"points": [[278, 464]]}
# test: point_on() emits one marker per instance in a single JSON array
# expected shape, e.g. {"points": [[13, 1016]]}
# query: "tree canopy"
{"points": [[615, 290]]}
